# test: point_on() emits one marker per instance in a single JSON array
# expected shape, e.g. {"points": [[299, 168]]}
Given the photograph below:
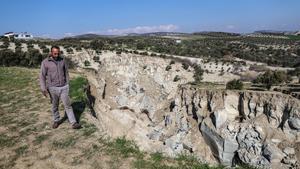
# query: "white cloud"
{"points": [[138, 29], [230, 27], [68, 34], [44, 35], [141, 29]]}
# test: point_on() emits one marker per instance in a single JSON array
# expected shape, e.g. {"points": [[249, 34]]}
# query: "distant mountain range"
{"points": [[159, 34], [204, 33], [272, 32], [216, 34], [90, 36]]}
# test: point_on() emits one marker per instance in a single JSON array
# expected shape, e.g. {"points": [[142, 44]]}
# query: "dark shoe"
{"points": [[55, 125], [76, 126]]}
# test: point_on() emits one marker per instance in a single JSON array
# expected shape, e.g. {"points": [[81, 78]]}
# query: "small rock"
{"points": [[294, 123], [267, 153], [289, 151], [275, 140], [155, 135], [220, 118], [230, 127], [168, 120]]}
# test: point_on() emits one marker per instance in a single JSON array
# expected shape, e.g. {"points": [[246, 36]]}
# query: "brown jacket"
{"points": [[54, 72]]}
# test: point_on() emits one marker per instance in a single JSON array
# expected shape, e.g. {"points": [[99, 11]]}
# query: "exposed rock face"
{"points": [[137, 97], [246, 126]]}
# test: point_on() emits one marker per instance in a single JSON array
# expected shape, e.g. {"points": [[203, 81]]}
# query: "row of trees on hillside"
{"points": [[31, 58], [215, 48]]}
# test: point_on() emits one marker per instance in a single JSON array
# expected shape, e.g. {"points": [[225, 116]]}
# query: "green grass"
{"points": [[28, 131], [91, 151], [294, 37], [207, 85], [20, 151], [6, 120], [64, 143], [15, 86], [246, 166], [41, 138], [157, 157], [15, 78], [7, 141], [158, 161], [10, 160], [88, 129], [77, 93], [122, 147]]}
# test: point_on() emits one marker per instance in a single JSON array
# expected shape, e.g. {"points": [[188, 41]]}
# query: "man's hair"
{"points": [[55, 47]]}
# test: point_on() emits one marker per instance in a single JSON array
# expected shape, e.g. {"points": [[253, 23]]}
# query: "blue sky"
{"points": [[58, 18]]}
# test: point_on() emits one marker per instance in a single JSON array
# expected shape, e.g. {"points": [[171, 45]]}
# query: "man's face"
{"points": [[55, 52]]}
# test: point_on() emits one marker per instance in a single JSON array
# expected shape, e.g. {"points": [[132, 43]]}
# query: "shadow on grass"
{"points": [[78, 109], [91, 100]]}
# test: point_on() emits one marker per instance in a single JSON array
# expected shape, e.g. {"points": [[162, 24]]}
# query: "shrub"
{"points": [[78, 48], [176, 78], [198, 73], [70, 50], [97, 45], [234, 85], [163, 56], [43, 47], [46, 50], [144, 53], [31, 58], [96, 58], [6, 57], [185, 65], [258, 68], [295, 72], [18, 43], [5, 45], [34, 57], [98, 51], [30, 46], [168, 67], [270, 78], [140, 46], [87, 63]]}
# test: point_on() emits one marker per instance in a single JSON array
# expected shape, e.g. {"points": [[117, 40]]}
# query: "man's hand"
{"points": [[45, 93]]}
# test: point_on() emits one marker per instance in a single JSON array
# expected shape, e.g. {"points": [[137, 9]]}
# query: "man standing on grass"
{"points": [[54, 79]]}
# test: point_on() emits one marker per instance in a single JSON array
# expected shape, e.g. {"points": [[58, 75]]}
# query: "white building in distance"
{"points": [[23, 35]]}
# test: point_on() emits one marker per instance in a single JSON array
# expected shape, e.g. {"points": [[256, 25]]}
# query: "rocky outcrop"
{"points": [[246, 126], [137, 98]]}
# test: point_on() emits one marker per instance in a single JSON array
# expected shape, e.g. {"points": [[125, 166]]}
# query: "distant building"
{"points": [[9, 34], [178, 41], [23, 35], [298, 33]]}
